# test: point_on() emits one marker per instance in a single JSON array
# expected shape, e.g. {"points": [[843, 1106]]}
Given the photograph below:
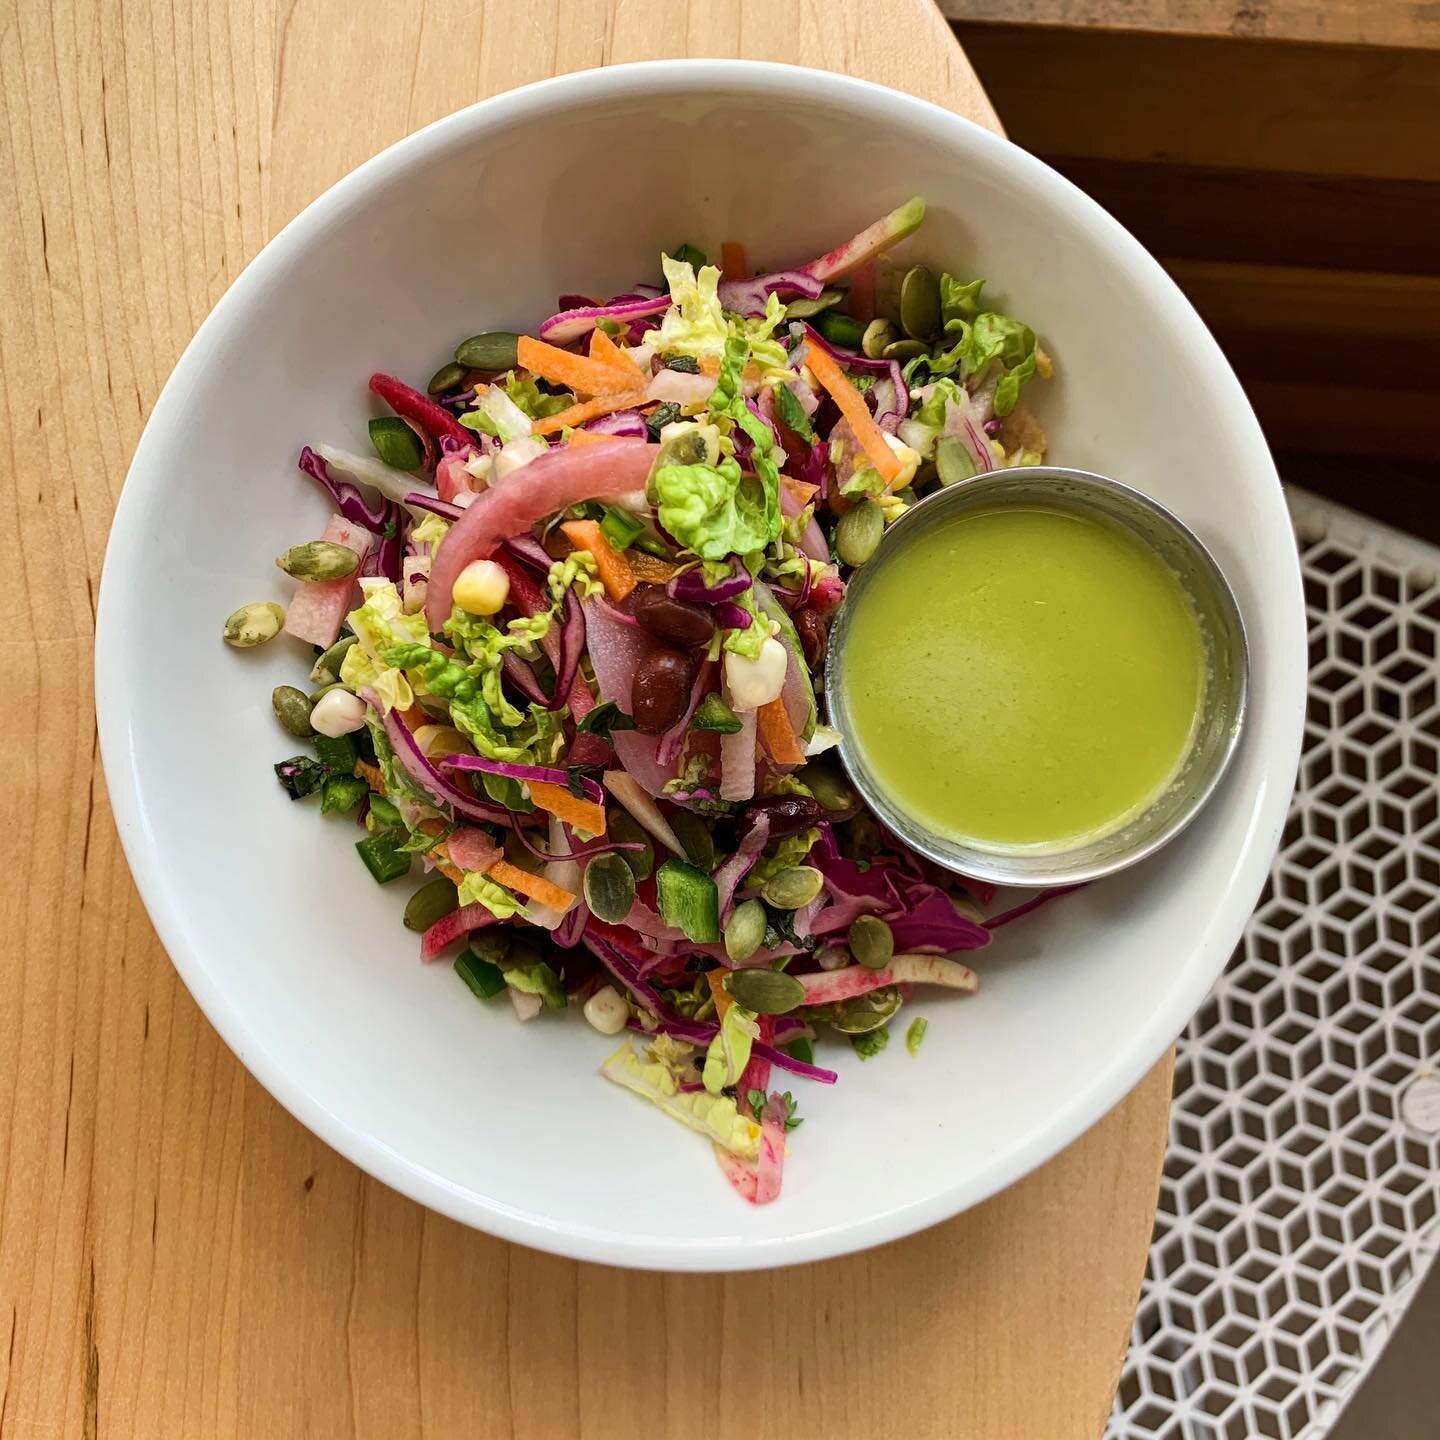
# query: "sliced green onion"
{"points": [[485, 980], [620, 528], [688, 900], [396, 443], [840, 329], [714, 715], [383, 815], [341, 794], [383, 857]]}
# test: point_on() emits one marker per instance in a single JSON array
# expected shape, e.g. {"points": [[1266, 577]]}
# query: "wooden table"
{"points": [[178, 1258]]}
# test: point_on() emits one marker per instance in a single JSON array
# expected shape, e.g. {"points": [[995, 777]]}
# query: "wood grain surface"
{"points": [[179, 1258]]}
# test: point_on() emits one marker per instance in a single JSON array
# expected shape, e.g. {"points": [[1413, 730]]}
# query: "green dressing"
{"points": [[1024, 677]]}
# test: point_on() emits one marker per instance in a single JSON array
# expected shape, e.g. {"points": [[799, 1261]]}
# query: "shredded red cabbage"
{"points": [[547, 774]]}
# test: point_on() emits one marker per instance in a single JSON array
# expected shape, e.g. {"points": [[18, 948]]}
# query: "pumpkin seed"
{"points": [[326, 669], [858, 532], [694, 835], [920, 303], [805, 309], [872, 942], [292, 710], [316, 695], [903, 350], [445, 379], [609, 888], [953, 461], [878, 334], [433, 901], [492, 945], [793, 887], [253, 625], [744, 930], [840, 329], [319, 560], [622, 826], [492, 350], [864, 1013], [826, 786], [766, 992]]}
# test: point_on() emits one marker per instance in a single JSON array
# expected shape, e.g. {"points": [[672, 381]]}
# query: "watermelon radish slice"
{"points": [[872, 241]]}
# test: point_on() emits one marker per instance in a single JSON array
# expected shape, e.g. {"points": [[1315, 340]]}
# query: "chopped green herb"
{"points": [[301, 776], [660, 417], [384, 856], [336, 753], [714, 715], [604, 720], [507, 791], [792, 413], [915, 1035], [342, 793], [419, 843], [802, 1050], [688, 254], [485, 980], [872, 1042], [756, 1099]]}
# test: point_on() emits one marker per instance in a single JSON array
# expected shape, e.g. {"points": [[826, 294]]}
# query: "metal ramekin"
{"points": [[1218, 726]]}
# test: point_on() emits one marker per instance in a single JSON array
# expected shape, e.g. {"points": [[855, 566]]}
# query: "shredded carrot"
{"points": [[718, 992], [588, 410], [710, 365], [588, 437], [370, 774], [853, 408], [582, 814], [535, 887], [606, 352], [650, 568], [615, 572], [802, 490], [779, 734], [732, 260], [575, 372]]}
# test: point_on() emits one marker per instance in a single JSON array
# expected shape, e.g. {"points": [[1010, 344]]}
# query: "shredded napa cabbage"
{"points": [[695, 322], [729, 1051], [480, 890], [717, 1117]]}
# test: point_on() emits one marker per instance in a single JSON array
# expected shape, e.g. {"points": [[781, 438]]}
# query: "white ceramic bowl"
{"points": [[301, 963]]}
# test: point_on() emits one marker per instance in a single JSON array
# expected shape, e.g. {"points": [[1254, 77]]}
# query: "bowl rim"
{"points": [[1078, 864], [1083, 1106]]}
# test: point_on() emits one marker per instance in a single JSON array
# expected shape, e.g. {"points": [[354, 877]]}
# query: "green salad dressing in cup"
{"points": [[1039, 676], [1029, 676]]}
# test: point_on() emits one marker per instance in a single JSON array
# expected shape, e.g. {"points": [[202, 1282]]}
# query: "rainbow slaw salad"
{"points": [[569, 621]]}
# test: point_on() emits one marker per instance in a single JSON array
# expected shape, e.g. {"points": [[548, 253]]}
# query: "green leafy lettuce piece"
{"points": [[526, 395], [959, 299], [478, 890], [379, 624], [747, 642], [726, 399], [713, 509], [729, 1051], [717, 1117], [538, 979], [577, 569], [992, 337], [695, 321]]}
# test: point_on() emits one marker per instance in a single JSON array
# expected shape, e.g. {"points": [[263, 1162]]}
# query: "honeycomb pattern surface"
{"points": [[1298, 1209]]}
